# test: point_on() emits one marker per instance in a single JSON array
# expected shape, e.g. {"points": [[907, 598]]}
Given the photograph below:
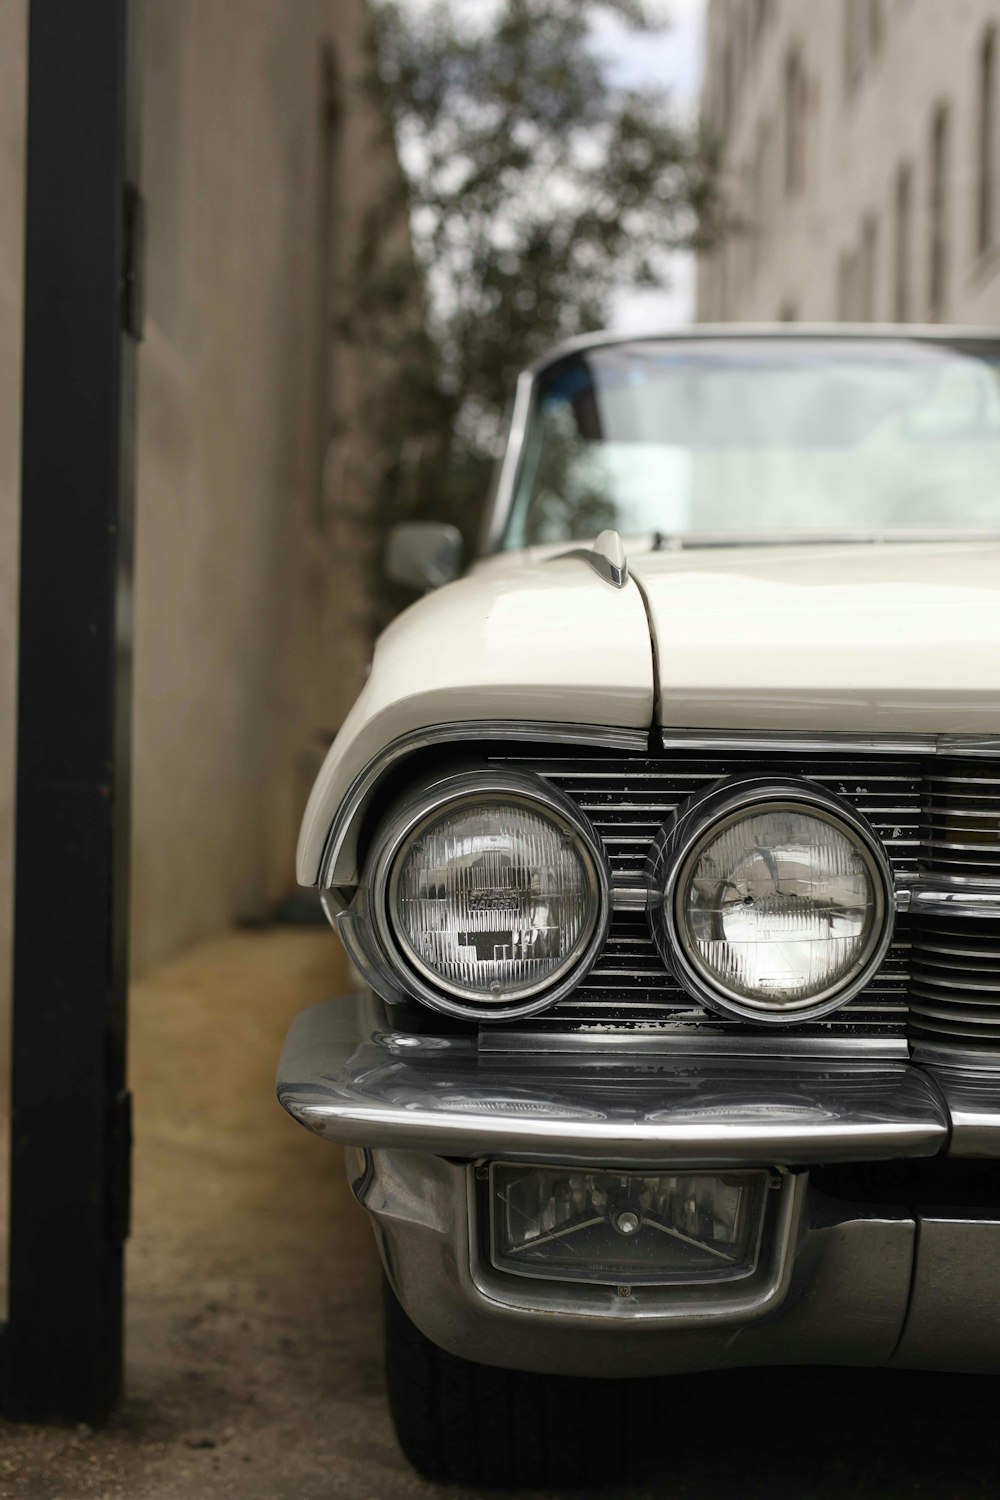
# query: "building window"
{"points": [[986, 194], [854, 44], [856, 276], [759, 195], [846, 276], [726, 101], [868, 270], [938, 194], [864, 35], [795, 124], [902, 217], [761, 17]]}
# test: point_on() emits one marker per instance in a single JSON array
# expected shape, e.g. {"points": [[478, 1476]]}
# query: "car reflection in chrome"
{"points": [[510, 1104]]}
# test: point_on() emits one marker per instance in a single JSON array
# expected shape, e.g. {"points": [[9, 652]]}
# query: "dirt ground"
{"points": [[254, 1359]]}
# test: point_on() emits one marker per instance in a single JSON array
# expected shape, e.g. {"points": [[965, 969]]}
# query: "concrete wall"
{"points": [[872, 75], [262, 155]]}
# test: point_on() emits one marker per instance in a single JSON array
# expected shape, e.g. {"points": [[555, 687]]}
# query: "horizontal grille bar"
{"points": [[962, 819], [628, 799], [955, 990]]}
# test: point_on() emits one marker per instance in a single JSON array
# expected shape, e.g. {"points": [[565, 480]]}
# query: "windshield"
{"points": [[758, 437]]}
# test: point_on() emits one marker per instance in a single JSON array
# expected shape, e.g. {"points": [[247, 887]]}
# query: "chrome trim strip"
{"points": [[495, 520], [729, 332], [659, 1040], [943, 811], [608, 571], [780, 740], [968, 744], [629, 897], [940, 1054], [342, 1081], [937, 779], [711, 541], [936, 948], [462, 731], [980, 981], [982, 849], [953, 896]]}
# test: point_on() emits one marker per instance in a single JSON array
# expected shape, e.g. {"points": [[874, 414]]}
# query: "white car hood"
{"points": [[873, 637]]}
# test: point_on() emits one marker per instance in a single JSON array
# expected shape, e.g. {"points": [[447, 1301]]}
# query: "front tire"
{"points": [[465, 1423]]}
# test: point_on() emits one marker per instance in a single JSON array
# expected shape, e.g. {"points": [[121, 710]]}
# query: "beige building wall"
{"points": [[855, 168], [263, 155]]}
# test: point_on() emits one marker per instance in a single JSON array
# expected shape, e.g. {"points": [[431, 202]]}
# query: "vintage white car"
{"points": [[666, 846]]}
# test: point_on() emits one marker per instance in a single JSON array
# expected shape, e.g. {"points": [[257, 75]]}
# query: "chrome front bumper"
{"points": [[840, 1283], [348, 1078]]}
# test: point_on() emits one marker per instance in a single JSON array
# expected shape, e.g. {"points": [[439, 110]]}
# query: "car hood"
{"points": [[900, 637]]}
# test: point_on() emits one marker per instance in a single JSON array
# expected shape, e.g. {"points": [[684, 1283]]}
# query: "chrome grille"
{"points": [[962, 801], [628, 797], [628, 801], [629, 985], [955, 989]]}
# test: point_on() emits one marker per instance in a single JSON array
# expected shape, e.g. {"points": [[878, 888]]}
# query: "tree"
{"points": [[537, 185]]}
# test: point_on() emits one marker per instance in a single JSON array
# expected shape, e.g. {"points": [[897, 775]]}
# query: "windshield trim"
{"points": [[496, 522], [696, 541]]}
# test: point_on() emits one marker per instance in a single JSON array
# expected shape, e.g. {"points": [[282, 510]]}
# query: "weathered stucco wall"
{"points": [[262, 154]]}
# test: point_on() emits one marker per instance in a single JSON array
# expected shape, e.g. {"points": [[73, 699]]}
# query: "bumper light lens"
{"points": [[626, 1227]]}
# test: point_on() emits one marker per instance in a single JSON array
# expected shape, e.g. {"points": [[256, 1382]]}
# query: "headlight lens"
{"points": [[493, 898], [780, 905]]}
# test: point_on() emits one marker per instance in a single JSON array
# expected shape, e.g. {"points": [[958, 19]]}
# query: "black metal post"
{"points": [[70, 1123]]}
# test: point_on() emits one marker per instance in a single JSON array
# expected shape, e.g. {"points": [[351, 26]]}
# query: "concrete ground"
{"points": [[254, 1361]]}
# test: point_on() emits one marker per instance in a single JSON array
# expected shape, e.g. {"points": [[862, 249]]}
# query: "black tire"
{"points": [[460, 1422]]}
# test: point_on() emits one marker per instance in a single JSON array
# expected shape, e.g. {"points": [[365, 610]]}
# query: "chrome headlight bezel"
{"points": [[421, 806], [681, 842]]}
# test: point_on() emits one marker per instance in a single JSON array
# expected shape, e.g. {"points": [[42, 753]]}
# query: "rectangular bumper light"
{"points": [[626, 1228]]}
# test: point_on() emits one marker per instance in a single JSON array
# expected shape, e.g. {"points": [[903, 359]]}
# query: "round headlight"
{"points": [[778, 906], [494, 901]]}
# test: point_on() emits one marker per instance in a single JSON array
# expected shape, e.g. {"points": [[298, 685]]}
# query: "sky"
{"points": [[672, 58]]}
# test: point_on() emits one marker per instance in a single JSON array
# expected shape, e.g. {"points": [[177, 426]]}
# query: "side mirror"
{"points": [[423, 554]]}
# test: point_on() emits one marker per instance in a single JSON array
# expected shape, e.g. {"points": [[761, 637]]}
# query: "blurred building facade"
{"points": [[861, 150], [265, 157]]}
